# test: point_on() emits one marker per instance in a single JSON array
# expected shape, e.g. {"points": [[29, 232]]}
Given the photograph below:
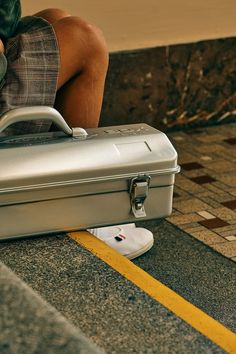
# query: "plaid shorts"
{"points": [[33, 66]]}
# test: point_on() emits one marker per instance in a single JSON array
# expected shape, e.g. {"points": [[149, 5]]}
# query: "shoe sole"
{"points": [[140, 251]]}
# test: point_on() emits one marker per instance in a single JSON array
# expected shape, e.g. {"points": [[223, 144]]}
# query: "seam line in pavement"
{"points": [[182, 308]]}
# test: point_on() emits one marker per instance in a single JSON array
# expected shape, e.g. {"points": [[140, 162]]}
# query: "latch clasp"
{"points": [[138, 193]]}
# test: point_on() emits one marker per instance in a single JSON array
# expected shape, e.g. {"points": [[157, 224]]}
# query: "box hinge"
{"points": [[138, 193]]}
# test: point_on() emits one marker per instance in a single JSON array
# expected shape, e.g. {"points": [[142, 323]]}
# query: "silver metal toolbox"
{"points": [[76, 179]]}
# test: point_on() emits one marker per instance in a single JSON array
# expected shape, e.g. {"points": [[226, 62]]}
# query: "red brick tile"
{"points": [[203, 179], [231, 141], [175, 195], [230, 204], [213, 223], [191, 166]]}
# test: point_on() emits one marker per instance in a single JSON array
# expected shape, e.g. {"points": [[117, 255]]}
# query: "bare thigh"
{"points": [[83, 67]]}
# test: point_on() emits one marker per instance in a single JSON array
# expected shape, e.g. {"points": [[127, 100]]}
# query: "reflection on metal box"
{"points": [[76, 179]]}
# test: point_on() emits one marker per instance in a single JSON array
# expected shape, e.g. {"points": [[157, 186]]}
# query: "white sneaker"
{"points": [[128, 240]]}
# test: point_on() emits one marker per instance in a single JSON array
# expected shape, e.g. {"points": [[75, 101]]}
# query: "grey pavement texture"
{"points": [[30, 325], [195, 271], [112, 312]]}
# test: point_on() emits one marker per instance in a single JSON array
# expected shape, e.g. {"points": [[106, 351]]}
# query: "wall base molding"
{"points": [[172, 87]]}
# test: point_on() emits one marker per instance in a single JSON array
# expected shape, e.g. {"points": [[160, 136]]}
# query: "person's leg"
{"points": [[52, 15], [84, 63]]}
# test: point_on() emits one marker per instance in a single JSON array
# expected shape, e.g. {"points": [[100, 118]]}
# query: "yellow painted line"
{"points": [[195, 317]]}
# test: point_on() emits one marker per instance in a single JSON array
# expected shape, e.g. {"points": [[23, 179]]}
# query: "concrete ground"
{"points": [[112, 312]]}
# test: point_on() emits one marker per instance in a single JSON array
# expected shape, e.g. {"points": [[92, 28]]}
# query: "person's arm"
{"points": [[10, 13], [2, 49]]}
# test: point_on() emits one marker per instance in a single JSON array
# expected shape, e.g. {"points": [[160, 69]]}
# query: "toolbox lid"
{"points": [[51, 159]]}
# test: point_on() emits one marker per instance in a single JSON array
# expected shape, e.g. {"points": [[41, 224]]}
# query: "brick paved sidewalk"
{"points": [[205, 191]]}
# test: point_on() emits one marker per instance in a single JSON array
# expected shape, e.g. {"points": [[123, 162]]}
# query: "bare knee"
{"points": [[82, 49], [98, 45], [89, 39], [52, 15]]}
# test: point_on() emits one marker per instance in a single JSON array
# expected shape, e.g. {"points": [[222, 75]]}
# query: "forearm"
{"points": [[2, 49]]}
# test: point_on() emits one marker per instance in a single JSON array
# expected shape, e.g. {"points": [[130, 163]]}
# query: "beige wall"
{"points": [[131, 24]]}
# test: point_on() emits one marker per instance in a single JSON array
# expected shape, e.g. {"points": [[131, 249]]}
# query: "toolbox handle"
{"points": [[24, 114]]}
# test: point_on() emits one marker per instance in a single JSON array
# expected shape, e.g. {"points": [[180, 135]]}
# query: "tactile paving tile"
{"points": [[205, 190]]}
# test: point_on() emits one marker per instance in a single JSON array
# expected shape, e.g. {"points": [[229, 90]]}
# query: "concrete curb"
{"points": [[28, 324]]}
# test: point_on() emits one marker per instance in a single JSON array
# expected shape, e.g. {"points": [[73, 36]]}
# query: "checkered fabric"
{"points": [[33, 66]]}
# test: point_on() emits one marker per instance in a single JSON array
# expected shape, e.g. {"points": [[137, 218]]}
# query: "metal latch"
{"points": [[138, 193]]}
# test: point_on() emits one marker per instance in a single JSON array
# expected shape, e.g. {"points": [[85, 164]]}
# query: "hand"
{"points": [[2, 49]]}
